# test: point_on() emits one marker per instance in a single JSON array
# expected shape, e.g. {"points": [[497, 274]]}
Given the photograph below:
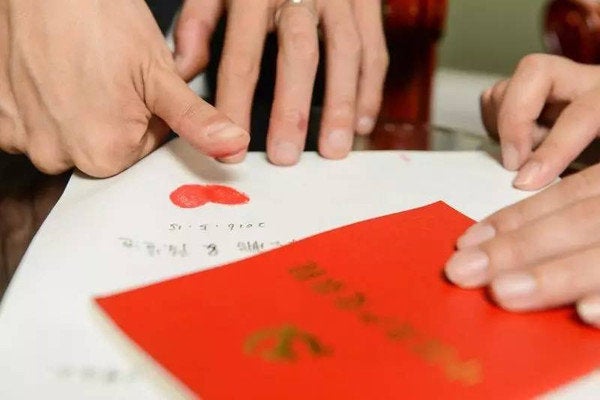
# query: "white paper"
{"points": [[109, 235]]}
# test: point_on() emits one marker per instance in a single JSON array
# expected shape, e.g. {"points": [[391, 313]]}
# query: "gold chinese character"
{"points": [[352, 302], [400, 331], [328, 286], [468, 372], [278, 344], [307, 271]]}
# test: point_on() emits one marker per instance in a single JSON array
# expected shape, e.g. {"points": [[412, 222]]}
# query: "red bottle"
{"points": [[572, 29], [413, 29]]}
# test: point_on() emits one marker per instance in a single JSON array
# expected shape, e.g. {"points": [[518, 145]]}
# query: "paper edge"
{"points": [[158, 376]]}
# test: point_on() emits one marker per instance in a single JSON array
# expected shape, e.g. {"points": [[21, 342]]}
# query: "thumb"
{"points": [[193, 32], [202, 125]]}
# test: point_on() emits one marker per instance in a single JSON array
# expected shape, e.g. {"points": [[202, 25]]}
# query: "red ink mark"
{"points": [[192, 196], [404, 157], [302, 122], [225, 195], [189, 196]]}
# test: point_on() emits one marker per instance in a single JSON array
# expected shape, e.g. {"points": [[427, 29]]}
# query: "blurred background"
{"points": [[491, 35]]}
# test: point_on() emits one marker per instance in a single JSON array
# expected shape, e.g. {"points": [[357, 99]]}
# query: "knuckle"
{"points": [[505, 252], [348, 47], [534, 62], [292, 117], [11, 138], [45, 160], [378, 61], [509, 219], [108, 154], [240, 66], [187, 118], [584, 210], [582, 184], [97, 169], [346, 42], [303, 44], [99, 166], [343, 109]]}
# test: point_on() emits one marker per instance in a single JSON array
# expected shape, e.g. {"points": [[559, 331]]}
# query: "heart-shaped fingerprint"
{"points": [[193, 196]]}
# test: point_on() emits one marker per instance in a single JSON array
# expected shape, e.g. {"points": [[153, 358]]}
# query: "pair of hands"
{"points": [[544, 251], [93, 84]]}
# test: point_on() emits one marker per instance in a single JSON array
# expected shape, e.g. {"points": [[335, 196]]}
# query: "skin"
{"points": [[544, 116], [542, 252], [93, 85], [357, 62]]}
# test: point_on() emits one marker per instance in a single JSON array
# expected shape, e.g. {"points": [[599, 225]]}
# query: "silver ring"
{"points": [[294, 3]]}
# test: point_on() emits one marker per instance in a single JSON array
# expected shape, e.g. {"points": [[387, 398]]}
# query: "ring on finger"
{"points": [[306, 4]]}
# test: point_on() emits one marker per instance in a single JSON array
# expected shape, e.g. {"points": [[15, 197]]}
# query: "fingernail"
{"points": [[515, 291], [225, 131], [476, 235], [589, 311], [468, 268], [527, 174], [340, 141], [286, 153], [234, 158], [510, 157], [365, 125]]}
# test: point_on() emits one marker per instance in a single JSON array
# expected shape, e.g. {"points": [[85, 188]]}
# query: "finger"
{"points": [[537, 80], [569, 191], [576, 127], [343, 63], [296, 69], [550, 284], [538, 134], [490, 102], [588, 309], [205, 128], [247, 25], [546, 121], [193, 32], [47, 152], [564, 231], [374, 64]]}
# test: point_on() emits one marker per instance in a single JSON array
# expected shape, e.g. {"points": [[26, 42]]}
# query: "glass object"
{"points": [[390, 134]]}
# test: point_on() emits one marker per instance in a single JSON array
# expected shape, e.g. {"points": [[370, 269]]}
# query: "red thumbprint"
{"points": [[192, 196]]}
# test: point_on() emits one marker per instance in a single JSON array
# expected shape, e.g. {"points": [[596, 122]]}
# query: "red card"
{"points": [[361, 312]]}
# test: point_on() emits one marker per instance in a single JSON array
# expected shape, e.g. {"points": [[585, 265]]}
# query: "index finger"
{"points": [[247, 25], [539, 78], [583, 185]]}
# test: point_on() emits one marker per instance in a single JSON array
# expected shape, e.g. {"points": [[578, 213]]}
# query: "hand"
{"points": [[93, 85], [356, 66], [545, 115], [540, 253]]}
